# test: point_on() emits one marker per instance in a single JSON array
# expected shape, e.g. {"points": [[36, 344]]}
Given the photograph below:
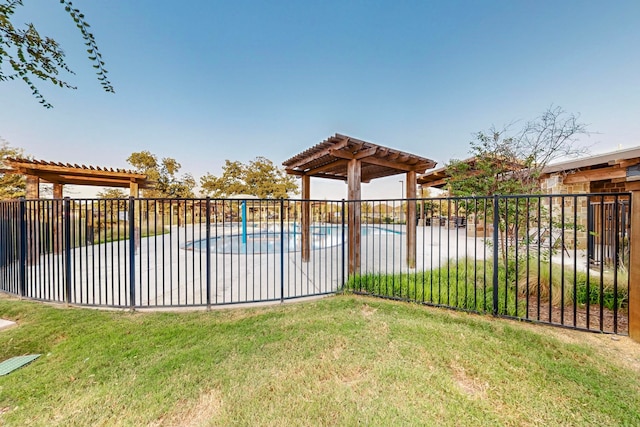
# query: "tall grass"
{"points": [[565, 286], [466, 285]]}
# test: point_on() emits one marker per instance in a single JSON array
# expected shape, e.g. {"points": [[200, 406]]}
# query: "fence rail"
{"points": [[559, 259]]}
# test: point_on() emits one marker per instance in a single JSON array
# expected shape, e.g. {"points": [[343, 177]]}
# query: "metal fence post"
{"points": [[634, 262], [208, 248], [23, 247], [67, 249], [496, 252], [132, 253], [343, 241], [281, 249]]}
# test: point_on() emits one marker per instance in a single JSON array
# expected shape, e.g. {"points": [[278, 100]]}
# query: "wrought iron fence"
{"points": [[541, 258], [166, 252], [559, 259]]}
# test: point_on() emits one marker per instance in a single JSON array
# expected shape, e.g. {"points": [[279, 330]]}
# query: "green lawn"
{"points": [[342, 360]]}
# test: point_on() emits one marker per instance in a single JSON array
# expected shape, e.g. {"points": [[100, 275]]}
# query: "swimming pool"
{"points": [[271, 240]]}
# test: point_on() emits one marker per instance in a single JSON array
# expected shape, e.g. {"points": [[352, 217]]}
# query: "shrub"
{"points": [[552, 281]]}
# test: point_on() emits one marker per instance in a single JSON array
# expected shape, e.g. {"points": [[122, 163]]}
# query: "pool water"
{"points": [[322, 237]]}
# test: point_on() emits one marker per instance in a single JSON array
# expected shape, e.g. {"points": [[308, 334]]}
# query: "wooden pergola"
{"points": [[355, 161], [60, 174]]}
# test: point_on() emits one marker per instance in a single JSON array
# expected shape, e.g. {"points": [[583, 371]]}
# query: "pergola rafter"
{"points": [[60, 174]]}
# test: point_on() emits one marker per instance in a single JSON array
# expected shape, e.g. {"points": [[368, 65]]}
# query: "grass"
{"points": [[465, 285], [342, 360], [469, 286]]}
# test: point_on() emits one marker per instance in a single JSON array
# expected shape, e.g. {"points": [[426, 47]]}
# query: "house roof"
{"points": [[611, 165], [610, 158], [329, 159], [437, 178]]}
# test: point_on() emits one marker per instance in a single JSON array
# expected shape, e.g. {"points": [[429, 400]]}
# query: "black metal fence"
{"points": [[559, 259], [165, 253], [543, 258]]}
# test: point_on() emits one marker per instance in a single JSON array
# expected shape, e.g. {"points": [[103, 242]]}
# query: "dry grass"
{"points": [[545, 280]]}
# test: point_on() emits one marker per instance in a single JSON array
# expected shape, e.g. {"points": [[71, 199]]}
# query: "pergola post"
{"points": [[421, 207], [306, 218], [33, 187], [411, 219], [134, 191], [57, 191], [33, 220], [354, 171], [58, 218]]}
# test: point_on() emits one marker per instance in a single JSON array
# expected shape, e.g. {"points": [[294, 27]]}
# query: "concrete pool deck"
{"points": [[168, 275]]}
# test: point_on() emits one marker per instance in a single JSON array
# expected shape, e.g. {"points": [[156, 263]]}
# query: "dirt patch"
{"points": [[593, 318], [467, 384], [368, 311], [620, 349], [200, 413]]}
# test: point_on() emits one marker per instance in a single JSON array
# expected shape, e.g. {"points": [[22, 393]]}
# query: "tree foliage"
{"points": [[12, 186], [260, 178], [25, 53], [112, 193], [503, 163], [165, 175]]}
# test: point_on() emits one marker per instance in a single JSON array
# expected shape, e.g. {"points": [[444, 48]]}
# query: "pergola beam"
{"points": [[328, 166], [59, 173], [95, 181], [418, 167], [348, 155]]}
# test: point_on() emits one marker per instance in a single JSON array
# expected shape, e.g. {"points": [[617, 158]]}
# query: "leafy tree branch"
{"points": [[26, 54]]}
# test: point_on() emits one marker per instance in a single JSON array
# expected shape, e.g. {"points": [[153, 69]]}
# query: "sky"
{"points": [[205, 81]]}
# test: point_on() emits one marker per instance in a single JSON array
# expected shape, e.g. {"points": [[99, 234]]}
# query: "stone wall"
{"points": [[554, 185], [608, 187]]}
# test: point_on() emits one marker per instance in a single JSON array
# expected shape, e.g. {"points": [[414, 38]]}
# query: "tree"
{"points": [[12, 186], [112, 193], [504, 164], [168, 183], [29, 54], [512, 164], [260, 178]]}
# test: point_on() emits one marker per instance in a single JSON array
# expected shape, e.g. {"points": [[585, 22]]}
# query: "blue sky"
{"points": [[206, 81]]}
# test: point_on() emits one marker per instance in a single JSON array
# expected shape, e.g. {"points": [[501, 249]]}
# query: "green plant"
{"points": [[552, 281], [466, 285]]}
